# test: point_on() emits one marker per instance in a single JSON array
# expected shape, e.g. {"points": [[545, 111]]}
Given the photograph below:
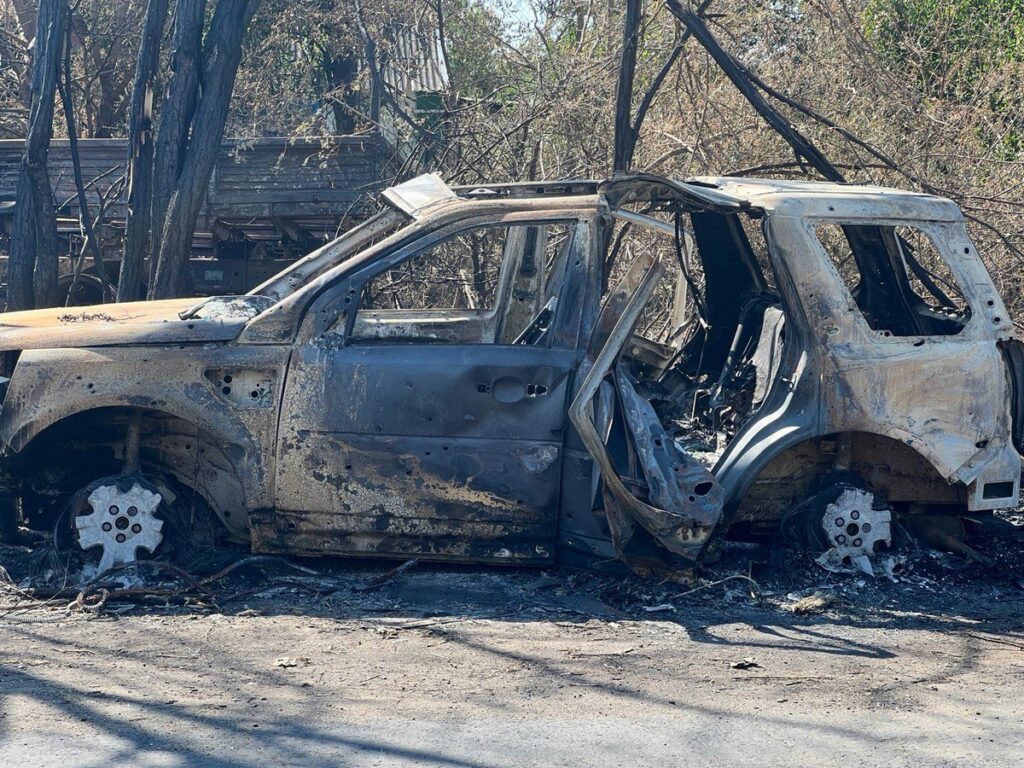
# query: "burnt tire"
{"points": [[88, 291]]}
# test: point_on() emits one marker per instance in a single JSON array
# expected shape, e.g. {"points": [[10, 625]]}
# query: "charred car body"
{"points": [[455, 379]]}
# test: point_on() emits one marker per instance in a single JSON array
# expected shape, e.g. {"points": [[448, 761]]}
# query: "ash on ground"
{"points": [[914, 583]]}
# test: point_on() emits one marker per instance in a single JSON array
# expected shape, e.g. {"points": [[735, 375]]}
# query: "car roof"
{"points": [[783, 197], [831, 200]]}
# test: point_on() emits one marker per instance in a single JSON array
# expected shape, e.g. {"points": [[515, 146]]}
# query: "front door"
{"points": [[430, 424]]}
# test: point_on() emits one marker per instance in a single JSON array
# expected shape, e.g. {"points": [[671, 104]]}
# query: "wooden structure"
{"points": [[269, 200]]}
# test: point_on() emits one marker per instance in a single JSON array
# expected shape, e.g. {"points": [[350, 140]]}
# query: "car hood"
{"points": [[140, 322]]}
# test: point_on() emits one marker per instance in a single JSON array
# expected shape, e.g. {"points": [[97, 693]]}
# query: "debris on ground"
{"points": [[745, 663], [659, 608], [384, 578], [945, 534], [917, 578], [814, 603]]}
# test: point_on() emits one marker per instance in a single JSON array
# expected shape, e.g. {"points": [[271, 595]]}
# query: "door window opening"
{"points": [[487, 285]]}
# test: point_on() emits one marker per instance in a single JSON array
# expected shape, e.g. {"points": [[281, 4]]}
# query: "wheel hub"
{"points": [[122, 522], [853, 527]]}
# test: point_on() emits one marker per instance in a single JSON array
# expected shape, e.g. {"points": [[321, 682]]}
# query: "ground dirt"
{"points": [[357, 665]]}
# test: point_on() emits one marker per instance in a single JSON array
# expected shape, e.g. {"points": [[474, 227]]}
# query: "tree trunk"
{"points": [[32, 269], [625, 140], [84, 217], [222, 52], [140, 155], [176, 114]]}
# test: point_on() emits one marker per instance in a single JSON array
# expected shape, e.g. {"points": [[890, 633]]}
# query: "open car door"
{"points": [[661, 504]]}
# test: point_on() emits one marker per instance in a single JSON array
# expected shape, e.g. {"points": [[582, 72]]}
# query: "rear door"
{"points": [[660, 504], [430, 420]]}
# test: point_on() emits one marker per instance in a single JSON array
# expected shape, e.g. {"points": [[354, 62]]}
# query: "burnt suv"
{"points": [[573, 371]]}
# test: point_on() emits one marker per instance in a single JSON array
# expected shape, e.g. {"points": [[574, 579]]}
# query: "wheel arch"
{"points": [[50, 386], [171, 386], [171, 445], [899, 471]]}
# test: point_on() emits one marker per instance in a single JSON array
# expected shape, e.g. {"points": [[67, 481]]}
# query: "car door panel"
{"points": [[447, 389], [684, 501], [446, 451]]}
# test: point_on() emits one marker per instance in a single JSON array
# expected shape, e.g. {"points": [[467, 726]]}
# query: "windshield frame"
{"points": [[384, 223]]}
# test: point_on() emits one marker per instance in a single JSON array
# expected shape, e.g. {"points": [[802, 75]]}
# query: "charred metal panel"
{"points": [[689, 498], [582, 530], [432, 493], [581, 295], [50, 385], [454, 326], [305, 533], [890, 468], [245, 387], [436, 478], [509, 393], [902, 393], [141, 322], [946, 396], [828, 200], [386, 439], [433, 432], [675, 481]]}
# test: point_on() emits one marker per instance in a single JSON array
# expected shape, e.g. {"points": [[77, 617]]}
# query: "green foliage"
{"points": [[290, 54], [951, 44], [967, 52], [474, 34]]}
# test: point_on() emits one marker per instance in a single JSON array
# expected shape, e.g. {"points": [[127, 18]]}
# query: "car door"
{"points": [[430, 421], [671, 525]]}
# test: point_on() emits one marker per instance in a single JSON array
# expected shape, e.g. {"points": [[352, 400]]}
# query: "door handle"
{"points": [[511, 389]]}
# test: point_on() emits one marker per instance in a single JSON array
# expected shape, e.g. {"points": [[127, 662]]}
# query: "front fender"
{"points": [[50, 385]]}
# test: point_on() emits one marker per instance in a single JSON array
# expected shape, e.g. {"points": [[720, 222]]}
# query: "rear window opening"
{"points": [[898, 279]]}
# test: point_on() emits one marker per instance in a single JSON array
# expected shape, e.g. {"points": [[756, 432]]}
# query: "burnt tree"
{"points": [[803, 148], [190, 131], [175, 114], [627, 124], [625, 138], [91, 240], [140, 154], [32, 269]]}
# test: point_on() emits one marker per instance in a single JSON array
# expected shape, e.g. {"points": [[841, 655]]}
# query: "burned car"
{"points": [[526, 373]]}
